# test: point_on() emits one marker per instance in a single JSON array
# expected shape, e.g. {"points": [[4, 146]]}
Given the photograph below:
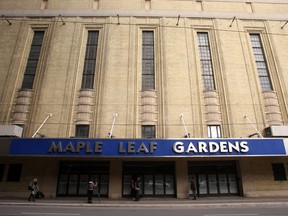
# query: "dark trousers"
{"points": [[90, 195], [132, 193], [137, 195], [32, 195], [194, 194]]}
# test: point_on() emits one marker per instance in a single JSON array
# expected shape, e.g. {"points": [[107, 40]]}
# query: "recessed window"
{"points": [[279, 172], [148, 73], [261, 62], [33, 59], [147, 4], [249, 7], [148, 131], [82, 131], [14, 172], [90, 60], [96, 4], [44, 4], [199, 5], [206, 61]]}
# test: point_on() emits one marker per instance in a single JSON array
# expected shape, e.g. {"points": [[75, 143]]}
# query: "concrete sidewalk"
{"points": [[213, 202]]}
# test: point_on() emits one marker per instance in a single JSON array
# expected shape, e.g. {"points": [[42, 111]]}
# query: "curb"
{"points": [[201, 204]]}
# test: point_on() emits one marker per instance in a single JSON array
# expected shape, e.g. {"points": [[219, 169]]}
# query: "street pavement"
{"points": [[202, 202]]}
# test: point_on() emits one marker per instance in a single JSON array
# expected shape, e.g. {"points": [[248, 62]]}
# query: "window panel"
{"points": [[265, 83], [82, 131], [91, 52], [206, 61], [148, 67], [28, 82], [148, 131], [87, 81], [90, 60], [33, 59], [261, 62], [214, 131]]}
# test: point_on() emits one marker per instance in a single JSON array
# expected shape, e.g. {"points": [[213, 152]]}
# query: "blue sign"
{"points": [[148, 147]]}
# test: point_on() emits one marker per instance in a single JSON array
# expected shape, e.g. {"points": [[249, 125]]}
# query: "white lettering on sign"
{"points": [[211, 147], [150, 147]]}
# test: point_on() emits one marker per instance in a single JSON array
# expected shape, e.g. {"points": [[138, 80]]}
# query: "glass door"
{"points": [[233, 186], [212, 184], [74, 177], [214, 178], [73, 183], [169, 184], [159, 184], [223, 184], [202, 182], [148, 184], [156, 178], [83, 184]]}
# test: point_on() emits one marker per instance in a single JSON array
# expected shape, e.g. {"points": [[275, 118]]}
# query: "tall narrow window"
{"points": [[249, 7], [44, 4], [147, 4], [261, 62], [148, 73], [199, 5], [214, 131], [148, 131], [33, 59], [82, 131], [206, 61], [96, 4], [90, 60]]}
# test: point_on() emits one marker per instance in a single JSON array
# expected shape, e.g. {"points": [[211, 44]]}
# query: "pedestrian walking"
{"points": [[193, 188], [90, 190], [33, 187], [132, 189], [137, 189]]}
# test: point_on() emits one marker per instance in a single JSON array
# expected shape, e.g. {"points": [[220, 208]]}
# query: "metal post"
{"points": [[232, 21], [184, 125], [49, 115], [112, 127], [245, 116]]}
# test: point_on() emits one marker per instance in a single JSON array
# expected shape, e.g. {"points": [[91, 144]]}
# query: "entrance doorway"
{"points": [[214, 178], [74, 176], [156, 178]]}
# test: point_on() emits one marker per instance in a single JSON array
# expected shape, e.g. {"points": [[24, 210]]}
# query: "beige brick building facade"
{"points": [[218, 70]]}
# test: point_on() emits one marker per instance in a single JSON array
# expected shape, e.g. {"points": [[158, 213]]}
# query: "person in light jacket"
{"points": [[90, 189]]}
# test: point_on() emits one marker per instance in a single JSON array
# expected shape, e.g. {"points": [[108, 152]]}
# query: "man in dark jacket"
{"points": [[137, 189], [193, 188]]}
